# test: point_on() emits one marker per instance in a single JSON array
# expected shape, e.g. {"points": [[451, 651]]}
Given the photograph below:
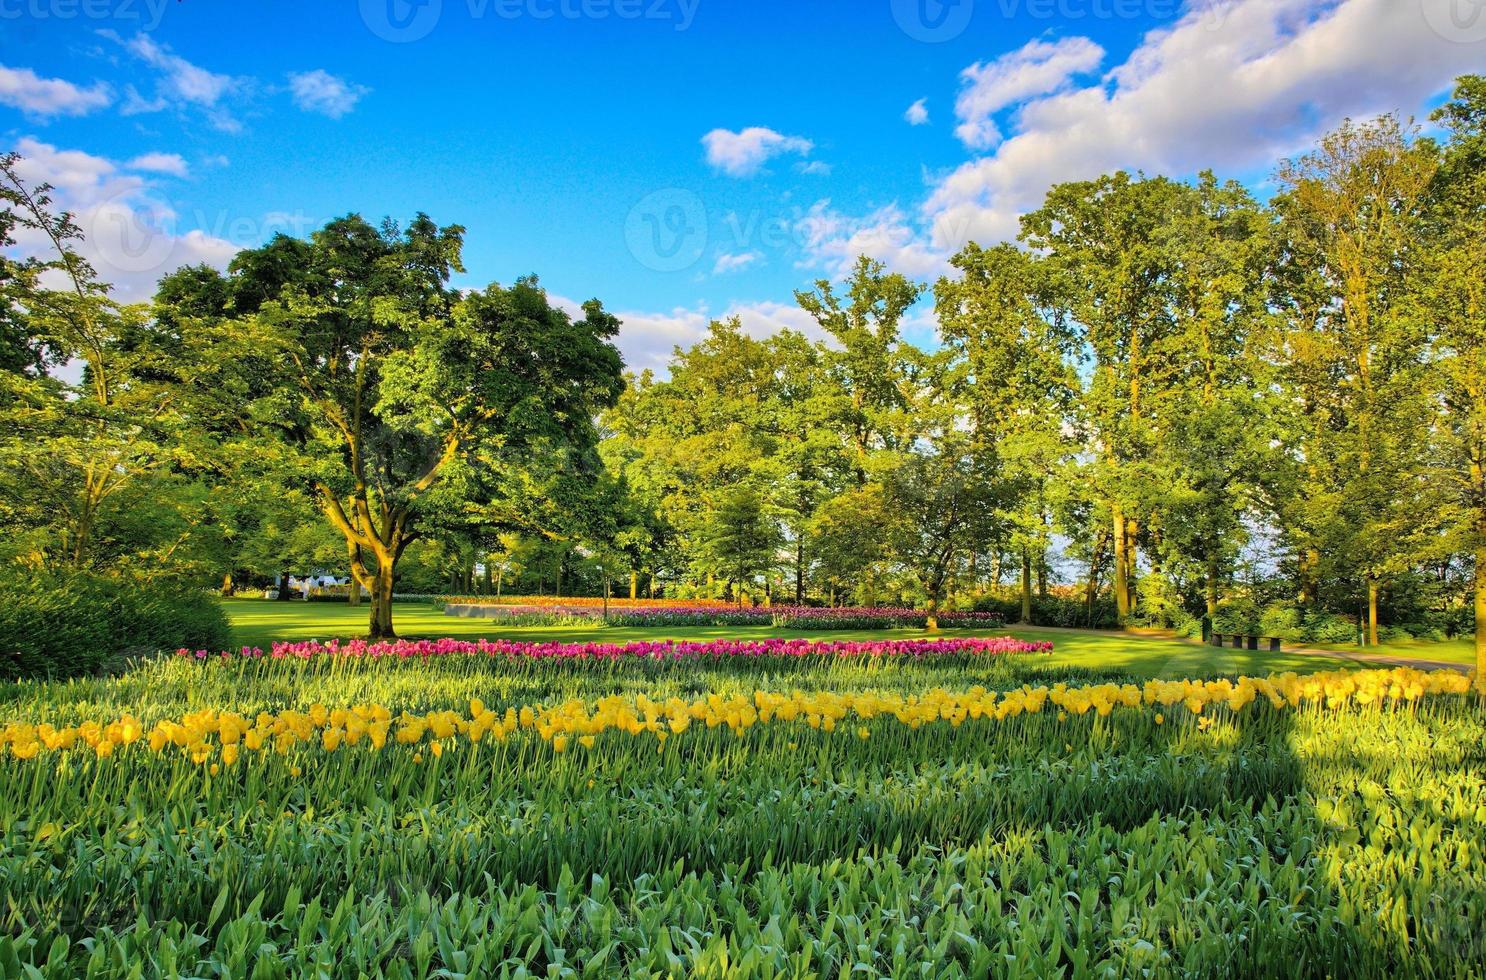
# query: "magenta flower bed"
{"points": [[642, 649]]}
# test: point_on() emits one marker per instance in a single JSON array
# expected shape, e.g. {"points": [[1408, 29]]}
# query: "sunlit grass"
{"points": [[1152, 841], [257, 622]]}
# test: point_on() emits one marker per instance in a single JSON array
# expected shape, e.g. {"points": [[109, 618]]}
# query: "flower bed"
{"points": [[640, 649], [212, 735], [653, 613]]}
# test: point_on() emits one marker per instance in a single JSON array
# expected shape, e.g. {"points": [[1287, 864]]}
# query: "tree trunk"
{"points": [[634, 584], [800, 570], [1310, 583], [1027, 586], [1121, 570], [1212, 586], [1132, 534], [1372, 610], [227, 584], [380, 623], [283, 586]]}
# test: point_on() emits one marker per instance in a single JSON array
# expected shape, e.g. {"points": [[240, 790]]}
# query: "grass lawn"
{"points": [[259, 622], [533, 817], [1461, 650]]}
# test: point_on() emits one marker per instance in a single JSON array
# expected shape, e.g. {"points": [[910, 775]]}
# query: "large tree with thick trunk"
{"points": [[1452, 295], [402, 388]]}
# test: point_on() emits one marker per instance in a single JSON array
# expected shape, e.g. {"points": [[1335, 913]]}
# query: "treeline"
{"points": [[1169, 393], [330, 403], [1168, 400]]}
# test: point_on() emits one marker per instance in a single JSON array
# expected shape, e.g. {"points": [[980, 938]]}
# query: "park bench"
{"points": [[1245, 641]]}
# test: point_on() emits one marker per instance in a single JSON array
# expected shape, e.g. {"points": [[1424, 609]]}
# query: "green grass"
{"points": [[258, 622], [1461, 650], [1310, 842]]}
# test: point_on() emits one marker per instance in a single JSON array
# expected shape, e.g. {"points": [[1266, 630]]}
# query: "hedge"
{"points": [[65, 625]]}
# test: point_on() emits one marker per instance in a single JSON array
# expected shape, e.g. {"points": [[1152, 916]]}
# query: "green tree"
{"points": [[1350, 222], [742, 538], [109, 470], [1452, 292], [399, 381], [1104, 249], [1215, 426], [1021, 385], [869, 366]]}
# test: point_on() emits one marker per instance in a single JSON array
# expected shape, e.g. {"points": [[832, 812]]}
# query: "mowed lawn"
{"points": [[1460, 650], [259, 622]]}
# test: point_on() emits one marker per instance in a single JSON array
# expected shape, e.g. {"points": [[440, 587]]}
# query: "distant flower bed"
{"points": [[655, 613], [660, 650], [868, 618], [580, 603]]}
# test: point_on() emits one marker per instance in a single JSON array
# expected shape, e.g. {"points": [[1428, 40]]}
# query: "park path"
{"points": [[1380, 659]]}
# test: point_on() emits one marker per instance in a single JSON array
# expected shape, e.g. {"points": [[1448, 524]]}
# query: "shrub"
{"points": [[1285, 620], [1053, 611], [61, 626]]}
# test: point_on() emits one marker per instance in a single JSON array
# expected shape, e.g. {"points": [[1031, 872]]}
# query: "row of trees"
{"points": [[1161, 380], [336, 384], [1163, 377]]}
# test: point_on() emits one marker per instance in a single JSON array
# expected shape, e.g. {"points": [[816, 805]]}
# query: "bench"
{"points": [[1245, 641]]}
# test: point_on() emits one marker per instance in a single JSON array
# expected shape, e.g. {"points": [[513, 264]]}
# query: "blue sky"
{"points": [[679, 159]]}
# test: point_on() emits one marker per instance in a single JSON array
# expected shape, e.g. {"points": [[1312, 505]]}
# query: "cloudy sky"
{"points": [[679, 159]]}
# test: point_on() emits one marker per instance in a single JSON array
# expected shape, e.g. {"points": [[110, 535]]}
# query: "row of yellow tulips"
{"points": [[212, 735]]}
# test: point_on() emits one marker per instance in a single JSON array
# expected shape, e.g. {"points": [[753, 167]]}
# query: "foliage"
{"points": [[61, 625], [1165, 837], [402, 397]]}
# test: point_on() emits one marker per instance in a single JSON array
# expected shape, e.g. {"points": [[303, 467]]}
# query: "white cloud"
{"points": [[179, 84], [329, 95], [733, 262], [1234, 88], [130, 234], [160, 163], [1037, 68], [832, 240], [918, 113], [648, 339], [743, 154], [43, 98], [817, 167], [1235, 94]]}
